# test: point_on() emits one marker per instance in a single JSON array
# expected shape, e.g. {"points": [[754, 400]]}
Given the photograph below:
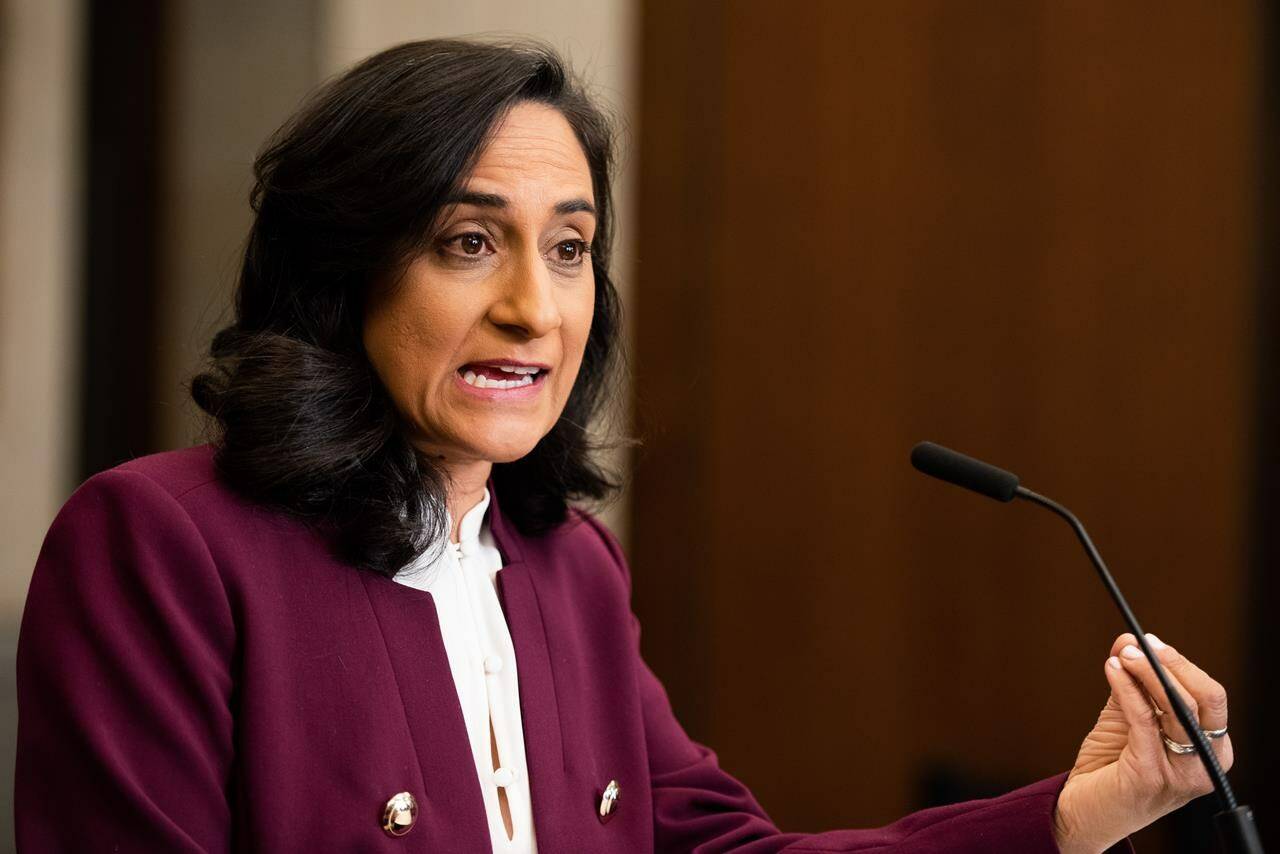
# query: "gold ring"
{"points": [[1177, 747]]}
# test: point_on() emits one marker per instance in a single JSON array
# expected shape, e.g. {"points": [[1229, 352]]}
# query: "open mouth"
{"points": [[501, 376]]}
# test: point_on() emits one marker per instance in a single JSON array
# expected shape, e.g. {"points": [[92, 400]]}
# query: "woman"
{"points": [[364, 618]]}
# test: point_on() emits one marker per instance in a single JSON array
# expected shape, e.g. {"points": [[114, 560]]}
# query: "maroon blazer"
{"points": [[199, 673]]}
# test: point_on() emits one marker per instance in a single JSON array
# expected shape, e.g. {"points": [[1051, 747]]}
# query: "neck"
{"points": [[466, 482]]}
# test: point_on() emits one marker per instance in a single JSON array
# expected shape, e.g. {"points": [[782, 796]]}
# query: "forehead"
{"points": [[533, 146]]}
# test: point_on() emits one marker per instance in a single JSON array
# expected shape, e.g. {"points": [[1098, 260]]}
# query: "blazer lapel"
{"points": [[451, 806], [539, 709]]}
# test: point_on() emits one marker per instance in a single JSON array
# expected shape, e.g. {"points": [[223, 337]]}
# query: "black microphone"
{"points": [[1235, 821]]}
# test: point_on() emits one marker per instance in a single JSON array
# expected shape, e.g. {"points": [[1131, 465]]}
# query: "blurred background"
{"points": [[1038, 232]]}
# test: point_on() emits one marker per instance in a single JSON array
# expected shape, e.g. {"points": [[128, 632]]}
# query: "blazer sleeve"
{"points": [[124, 680], [699, 808]]}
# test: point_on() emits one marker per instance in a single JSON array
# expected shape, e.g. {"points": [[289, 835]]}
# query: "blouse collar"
{"points": [[425, 569], [472, 521]]}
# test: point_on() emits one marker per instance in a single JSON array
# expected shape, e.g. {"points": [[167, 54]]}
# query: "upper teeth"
{"points": [[481, 381]]}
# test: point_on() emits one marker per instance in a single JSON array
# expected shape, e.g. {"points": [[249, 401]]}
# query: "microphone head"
{"points": [[954, 467]]}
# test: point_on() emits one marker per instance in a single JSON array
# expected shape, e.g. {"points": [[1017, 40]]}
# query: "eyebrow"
{"points": [[493, 200]]}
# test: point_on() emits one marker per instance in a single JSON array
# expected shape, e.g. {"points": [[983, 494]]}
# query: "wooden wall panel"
{"points": [[1023, 229]]}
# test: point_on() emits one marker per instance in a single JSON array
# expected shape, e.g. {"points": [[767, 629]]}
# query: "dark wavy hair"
{"points": [[347, 193]]}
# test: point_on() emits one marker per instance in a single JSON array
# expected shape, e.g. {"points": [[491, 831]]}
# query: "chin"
{"points": [[506, 450], [498, 446]]}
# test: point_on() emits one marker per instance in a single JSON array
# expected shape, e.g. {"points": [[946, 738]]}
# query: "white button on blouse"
{"points": [[462, 581]]}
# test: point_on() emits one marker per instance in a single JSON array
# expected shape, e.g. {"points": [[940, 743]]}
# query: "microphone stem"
{"points": [[1192, 727]]}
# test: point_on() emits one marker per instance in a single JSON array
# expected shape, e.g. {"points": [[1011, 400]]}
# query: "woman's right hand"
{"points": [[1124, 776]]}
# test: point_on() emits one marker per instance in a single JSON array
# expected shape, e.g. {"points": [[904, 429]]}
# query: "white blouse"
{"points": [[462, 580]]}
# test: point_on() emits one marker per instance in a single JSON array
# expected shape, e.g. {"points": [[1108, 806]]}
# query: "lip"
{"points": [[502, 394], [510, 363]]}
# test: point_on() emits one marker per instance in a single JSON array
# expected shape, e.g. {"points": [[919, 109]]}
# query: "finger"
{"points": [[1210, 696], [1126, 639], [1136, 664], [1127, 692]]}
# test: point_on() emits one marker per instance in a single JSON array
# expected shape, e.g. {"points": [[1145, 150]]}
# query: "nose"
{"points": [[527, 301]]}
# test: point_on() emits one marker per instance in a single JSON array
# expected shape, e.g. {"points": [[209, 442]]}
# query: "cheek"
{"points": [[390, 348], [408, 346], [575, 329], [578, 323]]}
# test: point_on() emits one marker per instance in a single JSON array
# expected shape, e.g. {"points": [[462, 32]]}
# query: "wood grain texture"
{"points": [[1026, 232]]}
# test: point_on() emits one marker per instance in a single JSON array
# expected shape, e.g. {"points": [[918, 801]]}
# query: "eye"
{"points": [[469, 245], [571, 252]]}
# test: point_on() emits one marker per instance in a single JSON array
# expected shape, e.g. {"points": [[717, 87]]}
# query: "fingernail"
{"points": [[1131, 652], [1155, 642], [1114, 662]]}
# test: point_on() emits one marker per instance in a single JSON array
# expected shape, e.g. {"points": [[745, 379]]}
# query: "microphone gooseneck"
{"points": [[1235, 822]]}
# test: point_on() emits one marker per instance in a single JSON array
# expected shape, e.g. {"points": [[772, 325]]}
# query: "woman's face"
{"points": [[507, 281]]}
